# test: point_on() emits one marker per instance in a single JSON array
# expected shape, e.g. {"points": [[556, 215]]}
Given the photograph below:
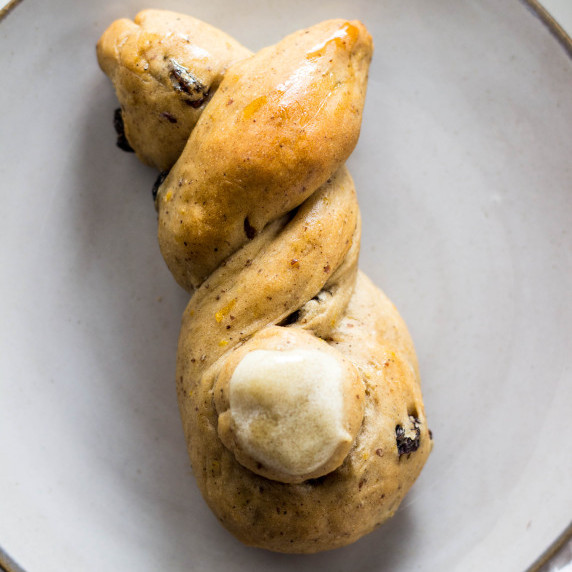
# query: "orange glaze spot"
{"points": [[284, 111], [254, 106], [293, 111], [222, 313], [287, 103], [345, 37]]}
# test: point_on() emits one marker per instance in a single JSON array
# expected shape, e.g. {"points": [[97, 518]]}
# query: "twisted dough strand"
{"points": [[258, 218], [278, 127]]}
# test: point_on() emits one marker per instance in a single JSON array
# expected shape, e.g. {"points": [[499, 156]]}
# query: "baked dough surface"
{"points": [[366, 490], [258, 219]]}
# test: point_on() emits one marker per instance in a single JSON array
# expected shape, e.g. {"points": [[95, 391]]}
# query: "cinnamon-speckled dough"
{"points": [[366, 490], [258, 219]]}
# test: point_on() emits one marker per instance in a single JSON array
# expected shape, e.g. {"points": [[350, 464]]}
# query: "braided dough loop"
{"points": [[259, 219]]}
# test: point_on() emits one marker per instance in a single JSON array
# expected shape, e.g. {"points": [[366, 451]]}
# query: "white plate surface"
{"points": [[464, 173]]}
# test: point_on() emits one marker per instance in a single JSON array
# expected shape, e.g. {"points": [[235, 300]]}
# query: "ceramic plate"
{"points": [[463, 172]]}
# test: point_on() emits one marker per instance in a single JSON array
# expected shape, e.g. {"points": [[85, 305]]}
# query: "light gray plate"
{"points": [[464, 176]]}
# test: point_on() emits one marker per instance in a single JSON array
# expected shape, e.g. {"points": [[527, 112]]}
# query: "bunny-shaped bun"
{"points": [[297, 380]]}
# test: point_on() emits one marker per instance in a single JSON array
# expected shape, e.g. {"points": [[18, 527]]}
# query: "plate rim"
{"points": [[8, 564], [548, 20]]}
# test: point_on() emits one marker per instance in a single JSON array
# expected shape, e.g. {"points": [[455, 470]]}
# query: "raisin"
{"points": [[122, 142], [405, 444], [249, 230], [186, 83], [158, 182]]}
